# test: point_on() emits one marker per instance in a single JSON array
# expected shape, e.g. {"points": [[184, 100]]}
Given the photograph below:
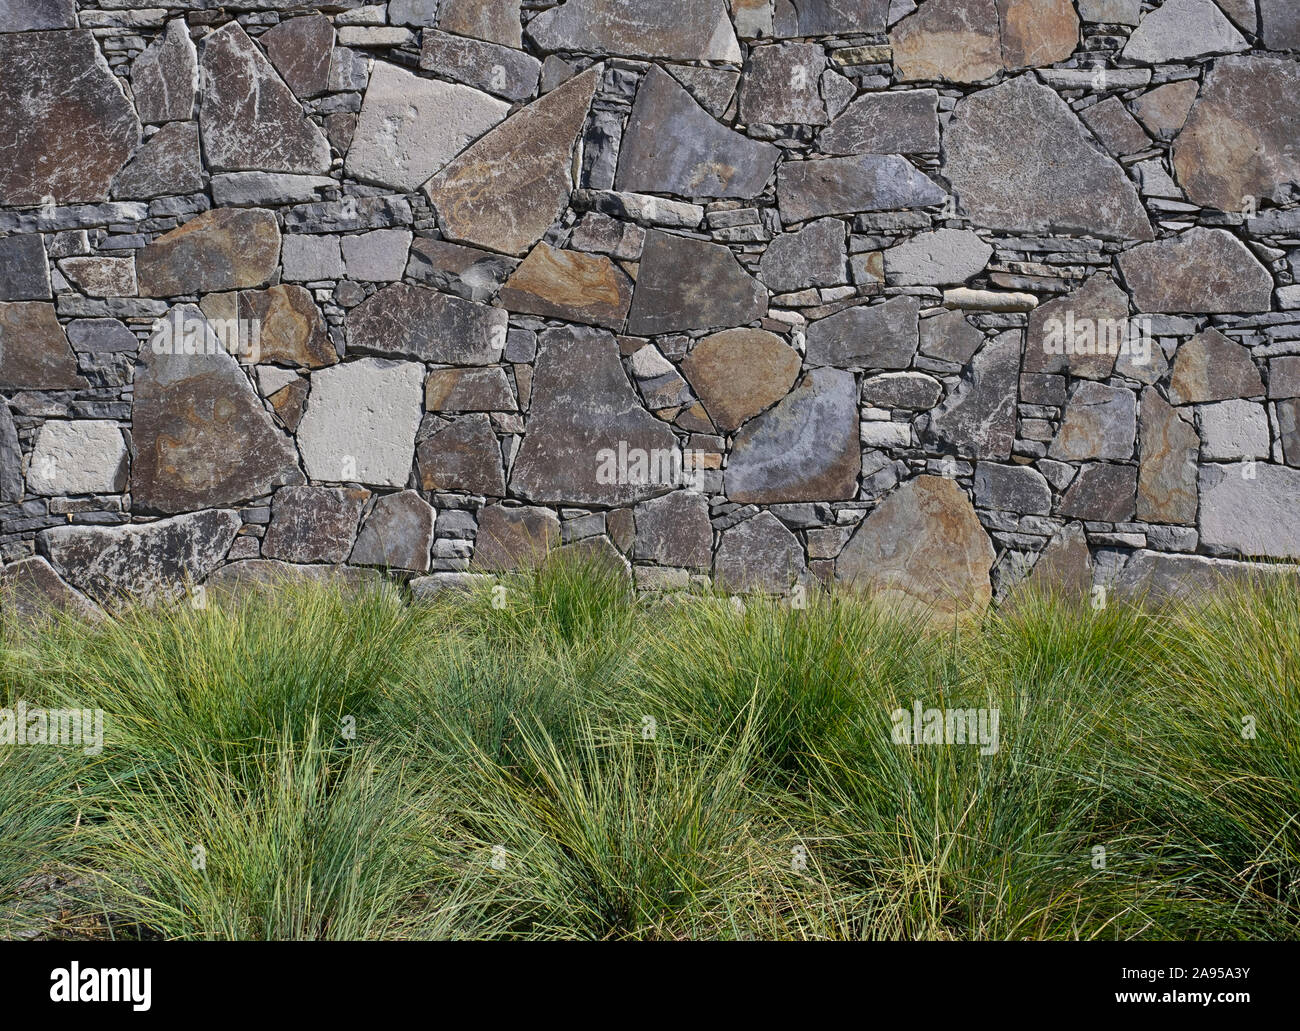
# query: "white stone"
{"points": [[1111, 12], [375, 36], [885, 434], [1181, 29], [79, 456], [946, 257], [378, 256], [309, 258], [410, 127], [647, 363], [271, 378], [242, 189], [360, 422], [1233, 429], [1250, 508]]}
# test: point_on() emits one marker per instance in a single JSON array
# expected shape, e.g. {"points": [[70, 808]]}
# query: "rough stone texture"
{"points": [[803, 449], [945, 257], [1054, 178], [812, 256], [150, 561], [674, 531], [292, 328], [1100, 422], [403, 321], [1102, 493], [569, 285], [410, 127], [781, 85], [83, 456], [1012, 488], [1180, 29], [1280, 22], [300, 49], [878, 336], [164, 76], [1210, 367], [1118, 130], [978, 418], [24, 272], [25, 15], [200, 437], [1250, 509], [313, 524], [1200, 270], [506, 190], [1092, 320], [34, 350], [248, 117], [922, 546], [11, 459], [167, 163], [1164, 109], [463, 456], [223, 249], [1242, 137], [60, 79], [32, 591], [1167, 467], [686, 30], [582, 405], [515, 536], [689, 284], [759, 554], [865, 182], [1155, 577], [1232, 430], [904, 122], [740, 372], [360, 422], [673, 145]]}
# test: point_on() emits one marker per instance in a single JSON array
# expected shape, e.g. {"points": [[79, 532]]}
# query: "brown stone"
{"points": [[692, 284], [1102, 493], [1098, 307], [569, 285], [496, 21], [739, 372], [1167, 470], [953, 40], [32, 592], [300, 49], [514, 537], [464, 456], [397, 534], [1164, 109], [222, 249], [34, 349], [1210, 367], [1201, 270], [292, 330], [290, 401], [313, 524], [922, 547], [469, 390]]}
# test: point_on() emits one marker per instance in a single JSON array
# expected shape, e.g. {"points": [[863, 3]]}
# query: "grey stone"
{"points": [[690, 284], [1153, 577], [1180, 30], [922, 547], [1100, 422], [415, 12], [846, 185], [949, 337], [813, 256], [313, 524], [81, 456], [496, 21], [1012, 488], [759, 555], [411, 127], [1111, 12], [300, 49], [1200, 270], [1250, 509], [456, 269], [267, 188], [163, 78], [1280, 24], [147, 561], [803, 449], [34, 350], [463, 456], [60, 79], [100, 276], [11, 459], [489, 67], [877, 336], [945, 257], [403, 321], [829, 17], [780, 85], [254, 575], [200, 437], [361, 421], [978, 418], [1054, 179], [513, 537], [1232, 430], [306, 259], [674, 531], [1167, 466], [32, 591], [248, 117], [378, 256], [712, 88], [101, 336], [24, 270], [1210, 367], [1081, 333], [26, 15], [685, 30], [1102, 493], [897, 122], [167, 164], [585, 420], [468, 390], [672, 145], [911, 390]]}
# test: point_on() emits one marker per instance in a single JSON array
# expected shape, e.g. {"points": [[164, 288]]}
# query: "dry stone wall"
{"points": [[919, 297]]}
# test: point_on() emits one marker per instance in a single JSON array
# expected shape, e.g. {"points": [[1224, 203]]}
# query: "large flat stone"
{"points": [[77, 456], [360, 422], [1210, 367], [1242, 137], [509, 188], [672, 145], [827, 17], [501, 71], [168, 163], [463, 456], [292, 329], [1167, 465], [583, 411], [923, 546], [34, 350], [1102, 493], [163, 78], [200, 436], [146, 561], [782, 85], [876, 336], [410, 127], [496, 21], [221, 249], [897, 122], [1054, 179], [684, 30], [945, 257], [846, 185], [760, 555], [1180, 30], [1250, 509], [248, 117], [978, 418], [66, 127], [12, 487], [514, 537], [804, 449], [813, 256], [32, 591], [26, 15], [397, 533], [313, 524], [691, 284], [1080, 332], [740, 372], [674, 531], [300, 49], [403, 321], [569, 285], [1200, 270], [1100, 422], [24, 268], [1155, 577], [952, 40]]}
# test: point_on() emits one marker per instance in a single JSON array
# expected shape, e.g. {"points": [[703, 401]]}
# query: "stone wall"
{"points": [[921, 297]]}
